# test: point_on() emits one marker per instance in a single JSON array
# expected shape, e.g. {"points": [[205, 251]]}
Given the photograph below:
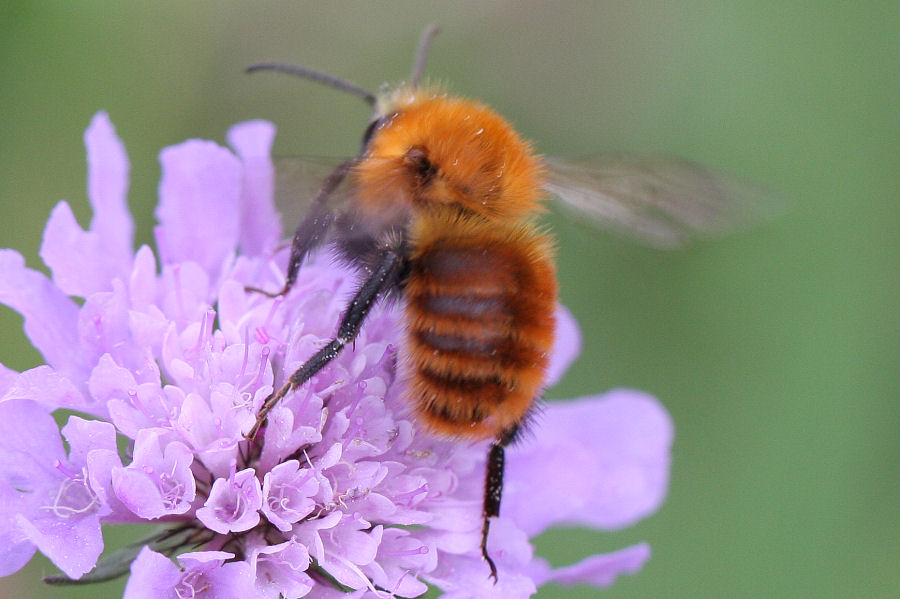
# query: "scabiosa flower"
{"points": [[342, 493]]}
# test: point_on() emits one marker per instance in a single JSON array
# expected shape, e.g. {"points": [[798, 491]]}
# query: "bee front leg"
{"points": [[385, 276], [313, 229], [310, 233]]}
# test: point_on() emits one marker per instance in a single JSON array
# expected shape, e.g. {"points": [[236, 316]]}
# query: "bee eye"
{"points": [[370, 132], [417, 161]]}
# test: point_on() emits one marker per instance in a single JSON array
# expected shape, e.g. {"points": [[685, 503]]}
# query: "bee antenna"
{"points": [[314, 75], [422, 53]]}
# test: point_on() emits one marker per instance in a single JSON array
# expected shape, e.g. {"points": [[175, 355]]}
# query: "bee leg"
{"points": [[312, 230], [493, 490], [385, 275], [309, 234]]}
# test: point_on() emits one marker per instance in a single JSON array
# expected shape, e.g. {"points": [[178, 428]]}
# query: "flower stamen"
{"points": [[74, 496]]}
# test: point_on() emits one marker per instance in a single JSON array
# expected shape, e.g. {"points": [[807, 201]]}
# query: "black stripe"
{"points": [[469, 390], [484, 346], [455, 414], [467, 306], [450, 264]]}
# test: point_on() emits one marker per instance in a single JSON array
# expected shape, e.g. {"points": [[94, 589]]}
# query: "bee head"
{"points": [[438, 150]]}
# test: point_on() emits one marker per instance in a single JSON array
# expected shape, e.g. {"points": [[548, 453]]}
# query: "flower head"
{"points": [[342, 491]]}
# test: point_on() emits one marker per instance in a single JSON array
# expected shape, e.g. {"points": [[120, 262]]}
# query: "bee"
{"points": [[440, 212]]}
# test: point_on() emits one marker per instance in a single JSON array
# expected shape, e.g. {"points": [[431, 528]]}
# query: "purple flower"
{"points": [[53, 502], [159, 481], [168, 352], [288, 492], [201, 575], [233, 504]]}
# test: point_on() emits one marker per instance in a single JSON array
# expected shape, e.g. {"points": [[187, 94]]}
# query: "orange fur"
{"points": [[487, 381], [486, 167], [481, 288]]}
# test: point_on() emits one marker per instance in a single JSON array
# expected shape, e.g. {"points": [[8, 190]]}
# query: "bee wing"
{"points": [[297, 182], [661, 201]]}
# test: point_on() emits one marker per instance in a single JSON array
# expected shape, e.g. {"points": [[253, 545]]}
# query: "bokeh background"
{"points": [[775, 349]]}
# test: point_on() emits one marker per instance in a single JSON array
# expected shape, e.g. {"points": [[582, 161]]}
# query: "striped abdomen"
{"points": [[480, 302]]}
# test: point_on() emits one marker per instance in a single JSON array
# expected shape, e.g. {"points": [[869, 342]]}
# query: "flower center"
{"points": [[74, 497]]}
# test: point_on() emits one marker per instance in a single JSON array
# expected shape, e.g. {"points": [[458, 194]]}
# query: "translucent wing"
{"points": [[661, 201], [308, 193], [298, 180]]}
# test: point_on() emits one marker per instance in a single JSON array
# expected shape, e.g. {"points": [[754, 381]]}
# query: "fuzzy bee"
{"points": [[438, 209]]}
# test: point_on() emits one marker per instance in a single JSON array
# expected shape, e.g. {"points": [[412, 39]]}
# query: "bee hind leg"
{"points": [[493, 489]]}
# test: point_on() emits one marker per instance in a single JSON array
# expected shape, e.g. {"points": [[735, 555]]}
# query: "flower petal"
{"points": [[73, 548], [26, 452], [601, 461], [108, 170], [158, 482], [598, 570], [48, 388], [85, 436], [233, 503], [26, 449], [8, 377], [153, 576], [74, 256], [15, 549], [84, 262], [207, 573], [279, 570], [199, 204], [51, 318], [566, 346], [260, 222]]}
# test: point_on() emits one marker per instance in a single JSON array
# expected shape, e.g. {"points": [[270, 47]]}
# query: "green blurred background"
{"points": [[776, 349]]}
